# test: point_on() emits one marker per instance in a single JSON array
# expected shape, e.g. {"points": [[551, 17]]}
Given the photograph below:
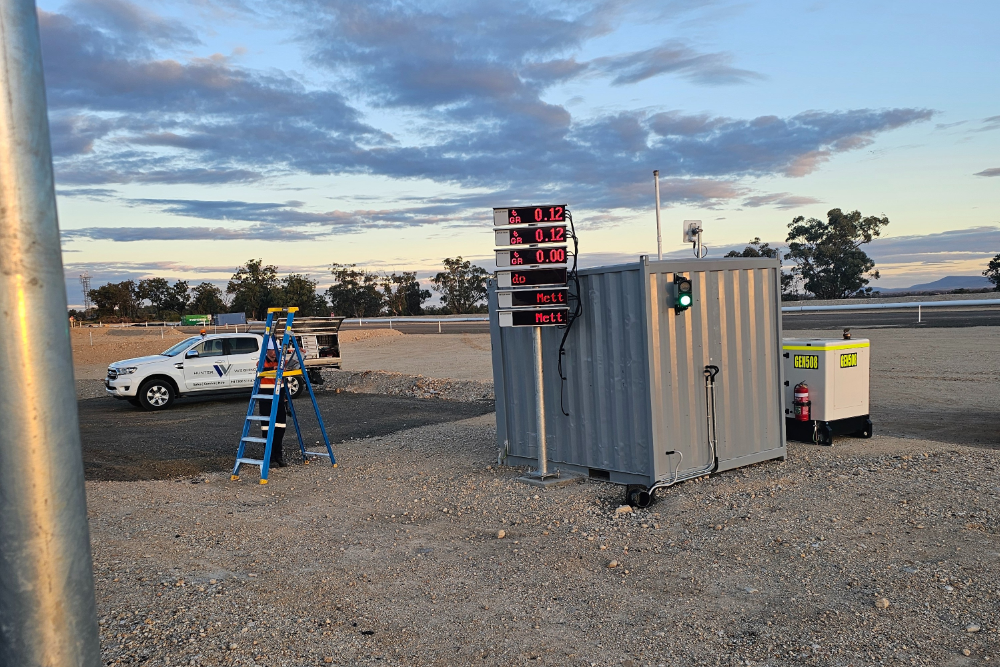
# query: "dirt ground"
{"points": [[95, 348], [458, 356], [394, 558], [934, 384], [880, 551]]}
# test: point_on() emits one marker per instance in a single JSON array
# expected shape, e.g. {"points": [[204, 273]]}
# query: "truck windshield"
{"points": [[180, 347]]}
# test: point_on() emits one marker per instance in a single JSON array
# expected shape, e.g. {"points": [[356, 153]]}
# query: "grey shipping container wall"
{"points": [[635, 384]]}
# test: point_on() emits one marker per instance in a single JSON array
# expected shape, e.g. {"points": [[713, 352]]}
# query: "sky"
{"points": [[192, 135]]}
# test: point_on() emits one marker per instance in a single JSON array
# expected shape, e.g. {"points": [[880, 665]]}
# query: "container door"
{"points": [[733, 324], [678, 357]]}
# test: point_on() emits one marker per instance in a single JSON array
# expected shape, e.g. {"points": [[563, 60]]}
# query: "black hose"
{"points": [[574, 314]]}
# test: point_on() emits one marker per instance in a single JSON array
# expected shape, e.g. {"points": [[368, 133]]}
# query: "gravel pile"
{"points": [[400, 384], [418, 550]]}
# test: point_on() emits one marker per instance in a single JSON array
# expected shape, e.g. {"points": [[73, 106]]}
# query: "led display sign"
{"points": [[534, 317], [529, 215], [527, 298], [531, 256], [531, 236], [531, 277]]}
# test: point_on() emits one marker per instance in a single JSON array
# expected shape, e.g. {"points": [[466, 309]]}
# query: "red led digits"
{"points": [[538, 256], [535, 215]]}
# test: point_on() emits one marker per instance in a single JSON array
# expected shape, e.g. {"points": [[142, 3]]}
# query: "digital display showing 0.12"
{"points": [[531, 236], [529, 215]]}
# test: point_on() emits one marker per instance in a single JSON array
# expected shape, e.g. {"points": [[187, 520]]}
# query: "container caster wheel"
{"points": [[639, 496], [824, 435], [867, 431]]}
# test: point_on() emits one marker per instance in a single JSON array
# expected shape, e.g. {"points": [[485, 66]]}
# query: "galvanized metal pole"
{"points": [[543, 458], [659, 237], [48, 615]]}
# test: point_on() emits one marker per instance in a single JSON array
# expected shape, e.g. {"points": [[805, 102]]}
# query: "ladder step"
{"points": [[255, 462], [258, 418], [264, 396], [249, 439], [271, 374]]}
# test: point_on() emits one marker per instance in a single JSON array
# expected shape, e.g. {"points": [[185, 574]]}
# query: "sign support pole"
{"points": [[543, 458]]}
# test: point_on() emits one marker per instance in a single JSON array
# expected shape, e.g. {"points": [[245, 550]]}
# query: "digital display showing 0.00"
{"points": [[529, 256]]}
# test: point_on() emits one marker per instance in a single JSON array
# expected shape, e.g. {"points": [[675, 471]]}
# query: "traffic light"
{"points": [[682, 293]]}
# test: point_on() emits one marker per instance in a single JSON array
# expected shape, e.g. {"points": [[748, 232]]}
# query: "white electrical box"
{"points": [[835, 370]]}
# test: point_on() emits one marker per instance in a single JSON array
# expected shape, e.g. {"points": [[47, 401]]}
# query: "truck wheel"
{"points": [[295, 386], [156, 394]]}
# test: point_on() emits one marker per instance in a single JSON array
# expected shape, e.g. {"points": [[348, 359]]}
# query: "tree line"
{"points": [[255, 287]]}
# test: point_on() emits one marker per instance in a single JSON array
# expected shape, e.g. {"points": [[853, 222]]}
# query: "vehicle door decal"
{"points": [[222, 369]]}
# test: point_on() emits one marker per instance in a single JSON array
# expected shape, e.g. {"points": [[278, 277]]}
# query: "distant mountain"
{"points": [[945, 284]]}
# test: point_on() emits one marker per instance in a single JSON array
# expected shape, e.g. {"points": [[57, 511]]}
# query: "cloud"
{"points": [[121, 114], [959, 243], [674, 58], [470, 76], [781, 200], [126, 18], [129, 234], [993, 171], [989, 124], [95, 194]]}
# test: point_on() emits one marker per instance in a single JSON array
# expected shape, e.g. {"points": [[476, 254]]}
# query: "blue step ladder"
{"points": [[281, 392]]}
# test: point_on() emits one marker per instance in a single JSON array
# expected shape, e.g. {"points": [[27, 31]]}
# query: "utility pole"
{"points": [[48, 614]]}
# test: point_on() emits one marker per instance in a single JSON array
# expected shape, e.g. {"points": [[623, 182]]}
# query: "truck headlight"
{"points": [[126, 371]]}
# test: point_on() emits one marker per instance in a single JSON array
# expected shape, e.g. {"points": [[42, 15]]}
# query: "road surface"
{"points": [[931, 318]]}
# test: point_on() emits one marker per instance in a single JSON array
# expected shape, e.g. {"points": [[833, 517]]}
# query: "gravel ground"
{"points": [[400, 384], [872, 552], [456, 356]]}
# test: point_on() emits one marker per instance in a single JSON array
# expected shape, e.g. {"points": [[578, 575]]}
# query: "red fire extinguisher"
{"points": [[801, 403]]}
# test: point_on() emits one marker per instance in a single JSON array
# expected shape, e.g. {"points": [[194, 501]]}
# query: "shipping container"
{"points": [[637, 389]]}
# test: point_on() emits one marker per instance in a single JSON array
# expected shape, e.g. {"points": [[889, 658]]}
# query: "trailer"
{"points": [[317, 337]]}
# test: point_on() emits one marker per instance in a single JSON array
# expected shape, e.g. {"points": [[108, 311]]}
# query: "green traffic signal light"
{"points": [[682, 293]]}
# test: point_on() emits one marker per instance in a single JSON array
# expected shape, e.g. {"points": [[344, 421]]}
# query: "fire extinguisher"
{"points": [[801, 403]]}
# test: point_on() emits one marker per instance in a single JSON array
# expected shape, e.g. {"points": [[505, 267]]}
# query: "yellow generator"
{"points": [[826, 388]]}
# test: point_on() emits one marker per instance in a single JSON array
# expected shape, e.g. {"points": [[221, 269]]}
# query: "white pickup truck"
{"points": [[220, 363], [216, 363]]}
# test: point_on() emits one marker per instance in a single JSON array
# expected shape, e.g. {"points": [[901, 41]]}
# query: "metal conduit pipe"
{"points": [[48, 614]]}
